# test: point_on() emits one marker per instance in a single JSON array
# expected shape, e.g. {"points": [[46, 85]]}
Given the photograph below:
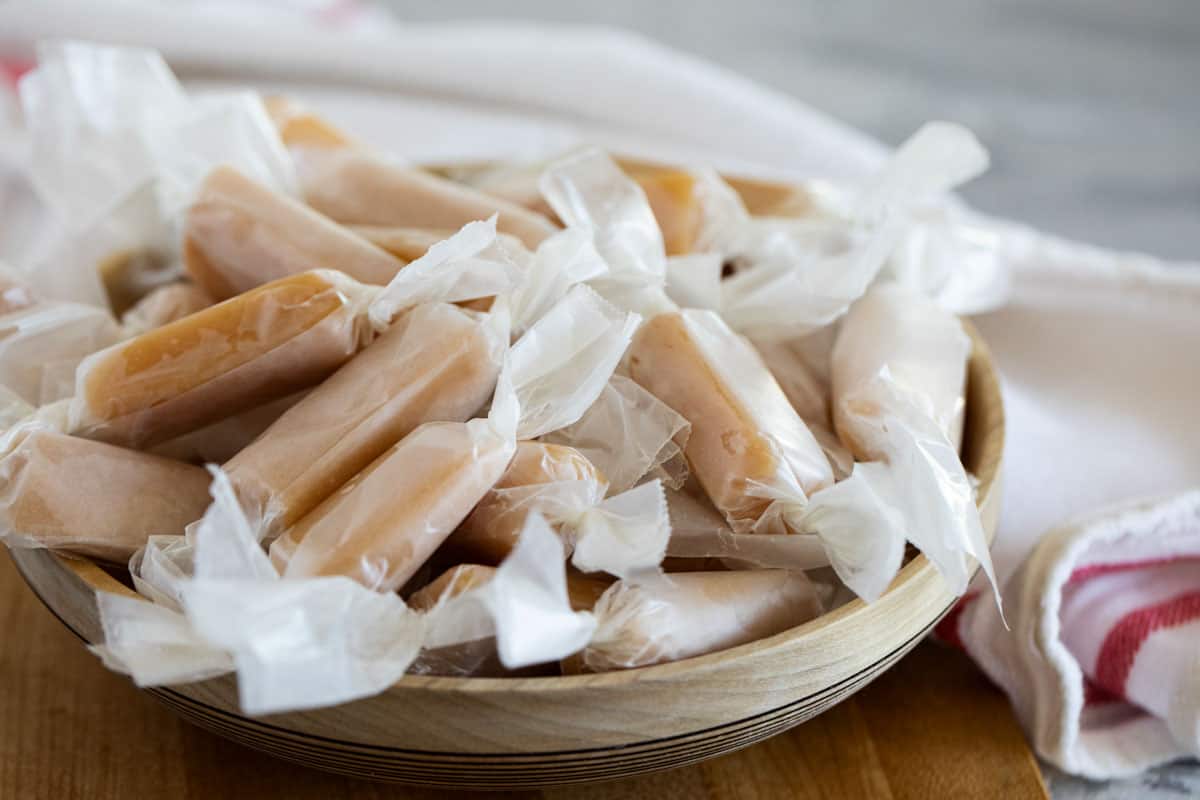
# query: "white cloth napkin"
{"points": [[1098, 350]]}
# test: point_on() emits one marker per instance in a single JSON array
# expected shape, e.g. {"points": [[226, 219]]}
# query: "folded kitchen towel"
{"points": [[1097, 349]]}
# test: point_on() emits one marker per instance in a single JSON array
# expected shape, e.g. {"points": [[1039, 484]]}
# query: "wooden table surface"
{"points": [[931, 727]]}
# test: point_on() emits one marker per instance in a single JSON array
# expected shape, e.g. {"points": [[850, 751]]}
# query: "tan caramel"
{"points": [[492, 530], [94, 499], [383, 524], [239, 235], [355, 187], [434, 364], [691, 614], [725, 449], [257, 347]]}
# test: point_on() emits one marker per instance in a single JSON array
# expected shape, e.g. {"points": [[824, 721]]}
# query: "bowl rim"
{"points": [[983, 391]]}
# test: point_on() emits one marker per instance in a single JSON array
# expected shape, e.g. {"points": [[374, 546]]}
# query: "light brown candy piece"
{"points": [[239, 234], [745, 433], [492, 530], [94, 499], [451, 583], [356, 187], [221, 441], [385, 522], [300, 127], [436, 363], [922, 350], [693, 613], [675, 201], [165, 304], [257, 347], [406, 244]]}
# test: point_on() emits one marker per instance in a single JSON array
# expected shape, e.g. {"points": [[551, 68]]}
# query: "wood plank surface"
{"points": [[931, 727]]}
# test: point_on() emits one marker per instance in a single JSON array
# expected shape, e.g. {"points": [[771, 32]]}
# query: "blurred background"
{"points": [[1091, 108]]}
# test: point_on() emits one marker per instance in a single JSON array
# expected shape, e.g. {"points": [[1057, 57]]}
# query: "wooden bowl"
{"points": [[529, 732]]}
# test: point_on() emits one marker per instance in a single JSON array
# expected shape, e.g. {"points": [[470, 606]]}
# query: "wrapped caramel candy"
{"points": [[489, 534], [94, 499], [239, 234], [895, 341], [748, 447], [356, 187], [252, 349], [436, 363], [385, 522], [685, 614], [221, 441]]}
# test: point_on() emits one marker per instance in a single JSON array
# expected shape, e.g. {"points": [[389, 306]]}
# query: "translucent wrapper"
{"points": [[385, 522], [436, 363], [798, 275], [294, 644], [802, 368], [257, 347], [239, 234], [163, 305], [356, 187], [748, 448], [524, 604], [898, 402], [698, 531], [622, 535], [591, 195], [628, 434], [91, 498], [409, 244], [42, 345], [110, 122], [479, 657], [221, 441], [15, 292], [689, 614]]}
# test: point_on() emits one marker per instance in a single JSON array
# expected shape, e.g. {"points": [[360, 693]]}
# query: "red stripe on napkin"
{"points": [[947, 629], [1121, 645], [1093, 570], [12, 69]]}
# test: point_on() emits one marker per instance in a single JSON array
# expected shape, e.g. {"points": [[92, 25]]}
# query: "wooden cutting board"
{"points": [[931, 727]]}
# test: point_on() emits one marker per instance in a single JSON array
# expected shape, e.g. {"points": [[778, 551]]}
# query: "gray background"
{"points": [[1091, 108]]}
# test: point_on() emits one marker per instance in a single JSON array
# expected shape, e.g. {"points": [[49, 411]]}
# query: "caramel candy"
{"points": [[385, 522], [239, 235], [492, 530], [94, 499], [257, 347], [691, 614], [674, 200], [406, 244], [745, 434], [165, 304], [436, 363], [299, 127], [221, 441], [355, 187], [451, 583], [922, 350]]}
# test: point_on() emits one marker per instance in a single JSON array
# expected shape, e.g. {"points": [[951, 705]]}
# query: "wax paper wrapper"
{"points": [[898, 403], [113, 131], [219, 606], [629, 434], [796, 275], [677, 616]]}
